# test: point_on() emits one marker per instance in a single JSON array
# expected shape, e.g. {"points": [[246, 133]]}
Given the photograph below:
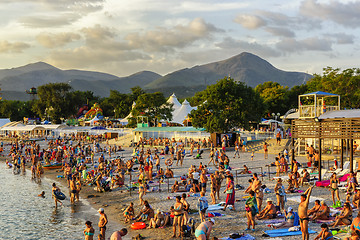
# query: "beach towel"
{"points": [[297, 199], [246, 237], [281, 232], [215, 207], [215, 214], [296, 219], [332, 219], [274, 221]]}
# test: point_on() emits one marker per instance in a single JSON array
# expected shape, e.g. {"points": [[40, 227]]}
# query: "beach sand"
{"points": [[233, 222]]}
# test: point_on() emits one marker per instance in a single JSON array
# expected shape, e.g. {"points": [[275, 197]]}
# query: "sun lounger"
{"points": [[297, 199]]}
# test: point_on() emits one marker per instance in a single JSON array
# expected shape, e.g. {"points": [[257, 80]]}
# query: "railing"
{"points": [[310, 111]]}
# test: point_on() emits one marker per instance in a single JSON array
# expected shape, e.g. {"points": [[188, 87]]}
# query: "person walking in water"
{"points": [[54, 190], [102, 222]]}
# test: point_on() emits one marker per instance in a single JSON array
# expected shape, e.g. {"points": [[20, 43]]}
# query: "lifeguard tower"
{"points": [[32, 92], [312, 105]]}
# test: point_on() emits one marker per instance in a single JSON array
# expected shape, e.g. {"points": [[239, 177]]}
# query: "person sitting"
{"points": [[175, 187], [323, 213], [269, 212], [183, 180], [290, 218], [160, 173], [290, 181], [245, 171], [146, 213], [325, 233], [356, 199], [345, 217], [315, 209], [169, 173], [157, 220], [304, 178], [129, 212], [169, 217]]}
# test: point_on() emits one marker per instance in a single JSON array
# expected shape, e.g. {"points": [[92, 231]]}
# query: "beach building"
{"points": [[179, 133], [329, 129]]}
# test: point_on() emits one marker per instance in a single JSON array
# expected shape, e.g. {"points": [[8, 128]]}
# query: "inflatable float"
{"points": [[138, 225], [59, 195]]}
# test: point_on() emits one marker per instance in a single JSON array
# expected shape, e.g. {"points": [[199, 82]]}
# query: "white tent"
{"points": [[270, 121], [181, 114], [92, 121], [176, 104]]}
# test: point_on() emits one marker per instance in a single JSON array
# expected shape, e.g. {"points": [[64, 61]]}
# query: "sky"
{"points": [[122, 37]]}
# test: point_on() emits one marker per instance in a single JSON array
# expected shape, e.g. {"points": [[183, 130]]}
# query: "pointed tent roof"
{"points": [[176, 104], [181, 114]]}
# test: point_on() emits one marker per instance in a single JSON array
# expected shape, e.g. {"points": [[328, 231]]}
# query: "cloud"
{"points": [[346, 14], [50, 13], [15, 47], [51, 40], [308, 44], [49, 21], [84, 57], [165, 39], [278, 31], [341, 38], [250, 21], [253, 47], [298, 22]]}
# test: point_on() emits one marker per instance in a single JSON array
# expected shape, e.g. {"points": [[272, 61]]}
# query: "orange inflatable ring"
{"points": [[169, 162], [138, 225]]}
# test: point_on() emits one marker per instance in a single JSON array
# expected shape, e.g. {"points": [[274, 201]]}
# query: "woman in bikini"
{"points": [[89, 231], [334, 181], [178, 215], [345, 217]]}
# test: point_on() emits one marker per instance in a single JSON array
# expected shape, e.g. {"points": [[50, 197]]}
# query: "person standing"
{"points": [[265, 150], [118, 234], [303, 213], [178, 216], [103, 220], [202, 206], [89, 231], [230, 191]]}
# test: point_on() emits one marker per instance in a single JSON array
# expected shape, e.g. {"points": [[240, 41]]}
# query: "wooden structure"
{"points": [[345, 129]]}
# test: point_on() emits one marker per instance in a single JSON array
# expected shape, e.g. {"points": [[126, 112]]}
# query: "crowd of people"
{"points": [[150, 157]]}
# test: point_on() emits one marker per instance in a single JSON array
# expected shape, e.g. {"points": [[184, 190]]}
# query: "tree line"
{"points": [[221, 106]]}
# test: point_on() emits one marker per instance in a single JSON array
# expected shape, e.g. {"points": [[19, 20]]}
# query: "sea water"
{"points": [[24, 215]]}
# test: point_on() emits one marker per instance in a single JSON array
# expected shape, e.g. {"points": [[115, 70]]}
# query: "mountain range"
{"points": [[245, 67]]}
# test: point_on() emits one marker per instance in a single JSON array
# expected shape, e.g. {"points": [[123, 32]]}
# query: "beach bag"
{"points": [[230, 191]]}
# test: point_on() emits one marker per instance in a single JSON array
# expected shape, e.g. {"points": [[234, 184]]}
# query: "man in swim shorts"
{"points": [[303, 213], [203, 231], [102, 222]]}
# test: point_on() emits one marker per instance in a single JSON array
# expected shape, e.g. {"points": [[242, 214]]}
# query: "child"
{"points": [[129, 213]]}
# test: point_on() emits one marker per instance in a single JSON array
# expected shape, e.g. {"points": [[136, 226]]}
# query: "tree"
{"points": [[117, 104], [153, 106], [16, 110], [274, 95], [345, 83], [226, 105], [54, 101]]}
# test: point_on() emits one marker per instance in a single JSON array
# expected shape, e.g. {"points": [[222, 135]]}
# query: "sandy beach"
{"points": [[115, 201]]}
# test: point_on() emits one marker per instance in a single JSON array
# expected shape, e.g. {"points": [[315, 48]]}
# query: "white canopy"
{"points": [[181, 114], [173, 100]]}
